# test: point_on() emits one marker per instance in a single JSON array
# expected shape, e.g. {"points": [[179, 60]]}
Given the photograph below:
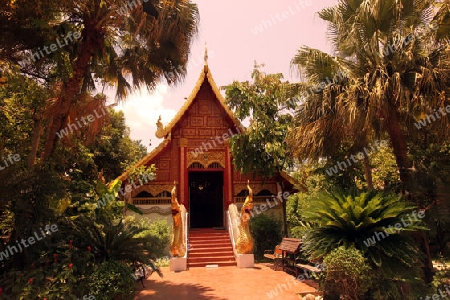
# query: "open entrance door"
{"points": [[206, 199]]}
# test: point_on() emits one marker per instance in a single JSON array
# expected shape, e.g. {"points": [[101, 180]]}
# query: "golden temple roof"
{"points": [[204, 75], [165, 131]]}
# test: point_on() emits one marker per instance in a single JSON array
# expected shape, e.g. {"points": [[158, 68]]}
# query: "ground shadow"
{"points": [[169, 290]]}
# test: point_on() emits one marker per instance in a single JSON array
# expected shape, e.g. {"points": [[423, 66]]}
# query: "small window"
{"points": [[264, 193], [243, 193], [164, 194], [143, 194], [215, 165], [196, 165]]}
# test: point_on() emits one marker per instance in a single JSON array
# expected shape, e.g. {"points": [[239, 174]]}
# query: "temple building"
{"points": [[195, 155]]}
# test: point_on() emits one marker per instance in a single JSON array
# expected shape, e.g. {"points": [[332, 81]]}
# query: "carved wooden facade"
{"points": [[196, 140]]}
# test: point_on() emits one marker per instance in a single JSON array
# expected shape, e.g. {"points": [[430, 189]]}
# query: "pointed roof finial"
{"points": [[206, 54]]}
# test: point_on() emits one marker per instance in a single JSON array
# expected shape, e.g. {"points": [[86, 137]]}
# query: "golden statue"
{"points": [[244, 244], [159, 128], [100, 177], [177, 245]]}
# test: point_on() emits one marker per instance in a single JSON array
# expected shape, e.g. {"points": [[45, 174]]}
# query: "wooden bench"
{"points": [[308, 268], [290, 248], [276, 256]]}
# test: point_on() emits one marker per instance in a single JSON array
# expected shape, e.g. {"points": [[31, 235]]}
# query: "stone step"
{"points": [[210, 252], [210, 258], [218, 263], [210, 247], [209, 236], [209, 242]]}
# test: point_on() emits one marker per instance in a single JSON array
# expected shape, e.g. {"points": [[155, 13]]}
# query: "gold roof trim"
{"points": [[293, 181], [205, 74], [165, 131]]}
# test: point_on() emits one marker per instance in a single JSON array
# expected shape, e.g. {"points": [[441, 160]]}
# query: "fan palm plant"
{"points": [[396, 68]]}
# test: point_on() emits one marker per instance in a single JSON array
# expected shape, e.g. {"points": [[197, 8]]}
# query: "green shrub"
{"points": [[353, 218], [112, 280], [163, 261], [266, 233], [157, 233], [346, 273]]}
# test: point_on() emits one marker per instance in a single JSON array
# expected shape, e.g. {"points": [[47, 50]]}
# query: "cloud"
{"points": [[142, 110]]}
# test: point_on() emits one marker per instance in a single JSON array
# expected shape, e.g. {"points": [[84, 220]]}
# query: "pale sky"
{"points": [[237, 33]]}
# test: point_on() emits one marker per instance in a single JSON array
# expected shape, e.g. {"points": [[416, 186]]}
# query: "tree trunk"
{"points": [[92, 41], [404, 165], [283, 206], [2, 144], [368, 172], [400, 149], [37, 132]]}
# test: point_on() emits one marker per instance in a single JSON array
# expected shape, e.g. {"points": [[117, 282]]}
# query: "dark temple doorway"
{"points": [[206, 199]]}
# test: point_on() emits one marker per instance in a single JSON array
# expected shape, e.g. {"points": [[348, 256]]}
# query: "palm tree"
{"points": [[394, 71], [121, 42], [396, 64], [320, 131]]}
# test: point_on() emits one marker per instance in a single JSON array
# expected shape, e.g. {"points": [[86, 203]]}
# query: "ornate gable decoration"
{"points": [[206, 158], [164, 131]]}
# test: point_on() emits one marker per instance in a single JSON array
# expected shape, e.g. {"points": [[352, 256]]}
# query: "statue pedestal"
{"points": [[178, 264], [245, 260]]}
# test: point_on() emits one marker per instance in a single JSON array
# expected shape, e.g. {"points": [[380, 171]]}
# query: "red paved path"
{"points": [[222, 283]]}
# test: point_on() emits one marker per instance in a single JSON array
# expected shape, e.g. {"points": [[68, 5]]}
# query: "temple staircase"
{"points": [[210, 247]]}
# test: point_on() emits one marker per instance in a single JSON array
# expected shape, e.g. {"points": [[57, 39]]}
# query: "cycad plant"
{"points": [[101, 227], [111, 240], [375, 223]]}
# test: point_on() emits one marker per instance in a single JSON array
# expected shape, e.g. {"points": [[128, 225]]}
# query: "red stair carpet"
{"points": [[209, 246]]}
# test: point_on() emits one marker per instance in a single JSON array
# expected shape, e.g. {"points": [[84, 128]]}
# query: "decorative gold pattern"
{"points": [[244, 244], [256, 199], [156, 209], [152, 201], [238, 187], [177, 246], [206, 158], [153, 189]]}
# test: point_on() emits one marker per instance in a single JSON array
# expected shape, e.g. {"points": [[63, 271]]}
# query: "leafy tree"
{"points": [[35, 197], [120, 43], [113, 149], [261, 148]]}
